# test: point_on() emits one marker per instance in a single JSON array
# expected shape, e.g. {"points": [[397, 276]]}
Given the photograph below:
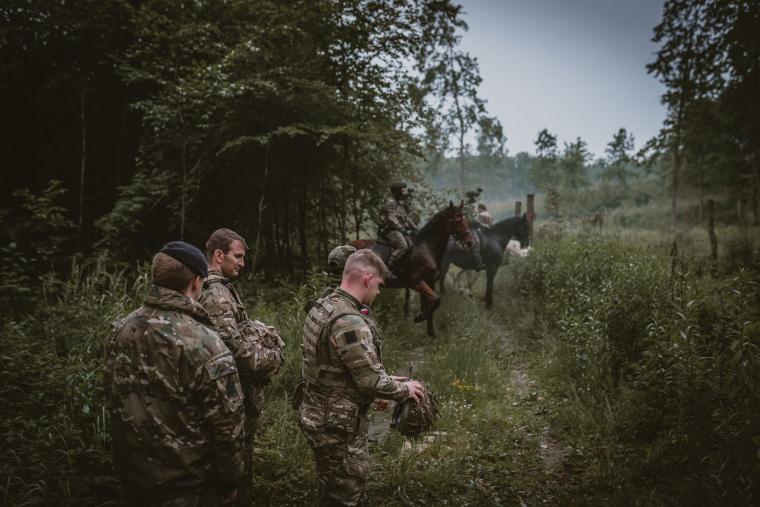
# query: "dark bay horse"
{"points": [[422, 266], [493, 241]]}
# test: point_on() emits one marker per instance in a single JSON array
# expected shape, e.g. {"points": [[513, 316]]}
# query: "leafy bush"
{"points": [[661, 363]]}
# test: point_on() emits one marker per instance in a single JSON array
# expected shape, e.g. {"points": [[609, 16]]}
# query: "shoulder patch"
{"points": [[351, 337]]}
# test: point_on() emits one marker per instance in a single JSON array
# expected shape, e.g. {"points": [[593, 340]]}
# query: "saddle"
{"points": [[383, 249]]}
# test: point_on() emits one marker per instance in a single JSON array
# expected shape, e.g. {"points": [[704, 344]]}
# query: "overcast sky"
{"points": [[576, 67]]}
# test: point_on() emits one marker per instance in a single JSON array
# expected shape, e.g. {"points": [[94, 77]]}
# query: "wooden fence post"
{"points": [[518, 208], [531, 216], [711, 231]]}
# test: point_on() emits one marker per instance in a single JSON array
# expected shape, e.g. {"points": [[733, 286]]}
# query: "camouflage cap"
{"points": [[411, 418], [336, 260], [397, 185]]}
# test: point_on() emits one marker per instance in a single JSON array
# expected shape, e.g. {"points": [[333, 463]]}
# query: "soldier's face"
{"points": [[234, 260]]}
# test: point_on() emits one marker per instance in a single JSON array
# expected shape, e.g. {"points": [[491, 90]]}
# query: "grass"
{"points": [[612, 370]]}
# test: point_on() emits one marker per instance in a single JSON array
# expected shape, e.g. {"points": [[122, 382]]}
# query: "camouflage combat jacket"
{"points": [[175, 397], [257, 348], [393, 217], [470, 210], [342, 355]]}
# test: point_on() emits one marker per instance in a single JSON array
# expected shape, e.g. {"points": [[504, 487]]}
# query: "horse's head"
{"points": [[457, 226], [522, 232]]}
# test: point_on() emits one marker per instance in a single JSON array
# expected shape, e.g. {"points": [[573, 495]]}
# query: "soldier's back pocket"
{"points": [[342, 415]]}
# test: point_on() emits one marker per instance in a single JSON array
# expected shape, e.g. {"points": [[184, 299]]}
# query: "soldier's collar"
{"points": [[364, 310], [168, 299], [215, 273]]}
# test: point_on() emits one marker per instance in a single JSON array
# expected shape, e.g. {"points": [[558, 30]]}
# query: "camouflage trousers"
{"points": [[336, 429], [399, 247], [254, 405]]}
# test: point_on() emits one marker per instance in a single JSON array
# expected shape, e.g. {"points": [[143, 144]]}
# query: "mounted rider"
{"points": [[471, 212], [394, 224], [485, 219]]}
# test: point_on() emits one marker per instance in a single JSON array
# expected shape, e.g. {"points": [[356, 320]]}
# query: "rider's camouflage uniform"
{"points": [[257, 349], [470, 210], [392, 224], [343, 374], [176, 404]]}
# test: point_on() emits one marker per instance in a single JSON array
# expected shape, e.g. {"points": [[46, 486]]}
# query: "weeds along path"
{"points": [[493, 444]]}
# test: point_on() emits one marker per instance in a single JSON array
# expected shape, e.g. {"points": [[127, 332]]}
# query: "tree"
{"points": [[451, 76], [685, 65], [544, 173], [619, 156]]}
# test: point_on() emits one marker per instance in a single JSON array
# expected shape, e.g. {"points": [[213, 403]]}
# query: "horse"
{"points": [[493, 242], [421, 267]]}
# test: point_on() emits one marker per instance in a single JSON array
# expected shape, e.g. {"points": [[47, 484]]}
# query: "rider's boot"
{"points": [[478, 257], [393, 262]]}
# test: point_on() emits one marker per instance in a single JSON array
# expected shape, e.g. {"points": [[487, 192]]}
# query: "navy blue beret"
{"points": [[188, 255]]}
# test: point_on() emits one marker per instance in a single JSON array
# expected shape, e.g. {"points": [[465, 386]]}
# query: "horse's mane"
{"points": [[427, 229], [503, 226]]}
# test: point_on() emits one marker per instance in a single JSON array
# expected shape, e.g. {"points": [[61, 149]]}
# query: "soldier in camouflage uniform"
{"points": [[257, 348], [336, 261], [343, 374], [471, 212], [393, 224], [175, 399]]}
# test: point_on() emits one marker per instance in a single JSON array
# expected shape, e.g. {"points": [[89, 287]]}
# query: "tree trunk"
{"points": [[287, 231], [261, 208], [711, 231], [700, 186], [530, 216], [674, 197], [302, 225], [82, 168]]}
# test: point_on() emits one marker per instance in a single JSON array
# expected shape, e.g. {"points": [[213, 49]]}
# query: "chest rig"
{"points": [[321, 366]]}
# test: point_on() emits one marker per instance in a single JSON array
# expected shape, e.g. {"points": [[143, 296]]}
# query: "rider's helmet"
{"points": [[411, 418], [336, 261], [398, 189]]}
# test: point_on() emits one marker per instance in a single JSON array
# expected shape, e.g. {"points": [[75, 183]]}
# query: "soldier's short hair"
{"points": [[170, 273], [221, 239], [364, 260]]}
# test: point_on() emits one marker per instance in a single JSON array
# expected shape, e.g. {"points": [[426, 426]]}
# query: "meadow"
{"points": [[621, 368]]}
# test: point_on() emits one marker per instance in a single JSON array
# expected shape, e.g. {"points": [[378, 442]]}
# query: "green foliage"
{"points": [[53, 416], [33, 236], [659, 362]]}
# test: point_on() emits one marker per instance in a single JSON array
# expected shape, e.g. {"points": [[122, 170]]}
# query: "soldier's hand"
{"points": [[381, 404], [415, 390]]}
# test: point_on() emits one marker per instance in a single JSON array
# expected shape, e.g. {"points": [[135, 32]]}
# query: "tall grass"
{"points": [[660, 360]]}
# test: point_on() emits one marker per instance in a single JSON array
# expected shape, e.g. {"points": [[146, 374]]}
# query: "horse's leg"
{"points": [[430, 329], [490, 275], [444, 271], [407, 295], [429, 300]]}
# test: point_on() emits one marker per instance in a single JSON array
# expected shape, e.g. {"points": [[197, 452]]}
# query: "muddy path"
{"points": [[540, 466]]}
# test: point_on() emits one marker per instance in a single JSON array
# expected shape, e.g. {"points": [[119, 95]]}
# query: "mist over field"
{"points": [[612, 359]]}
